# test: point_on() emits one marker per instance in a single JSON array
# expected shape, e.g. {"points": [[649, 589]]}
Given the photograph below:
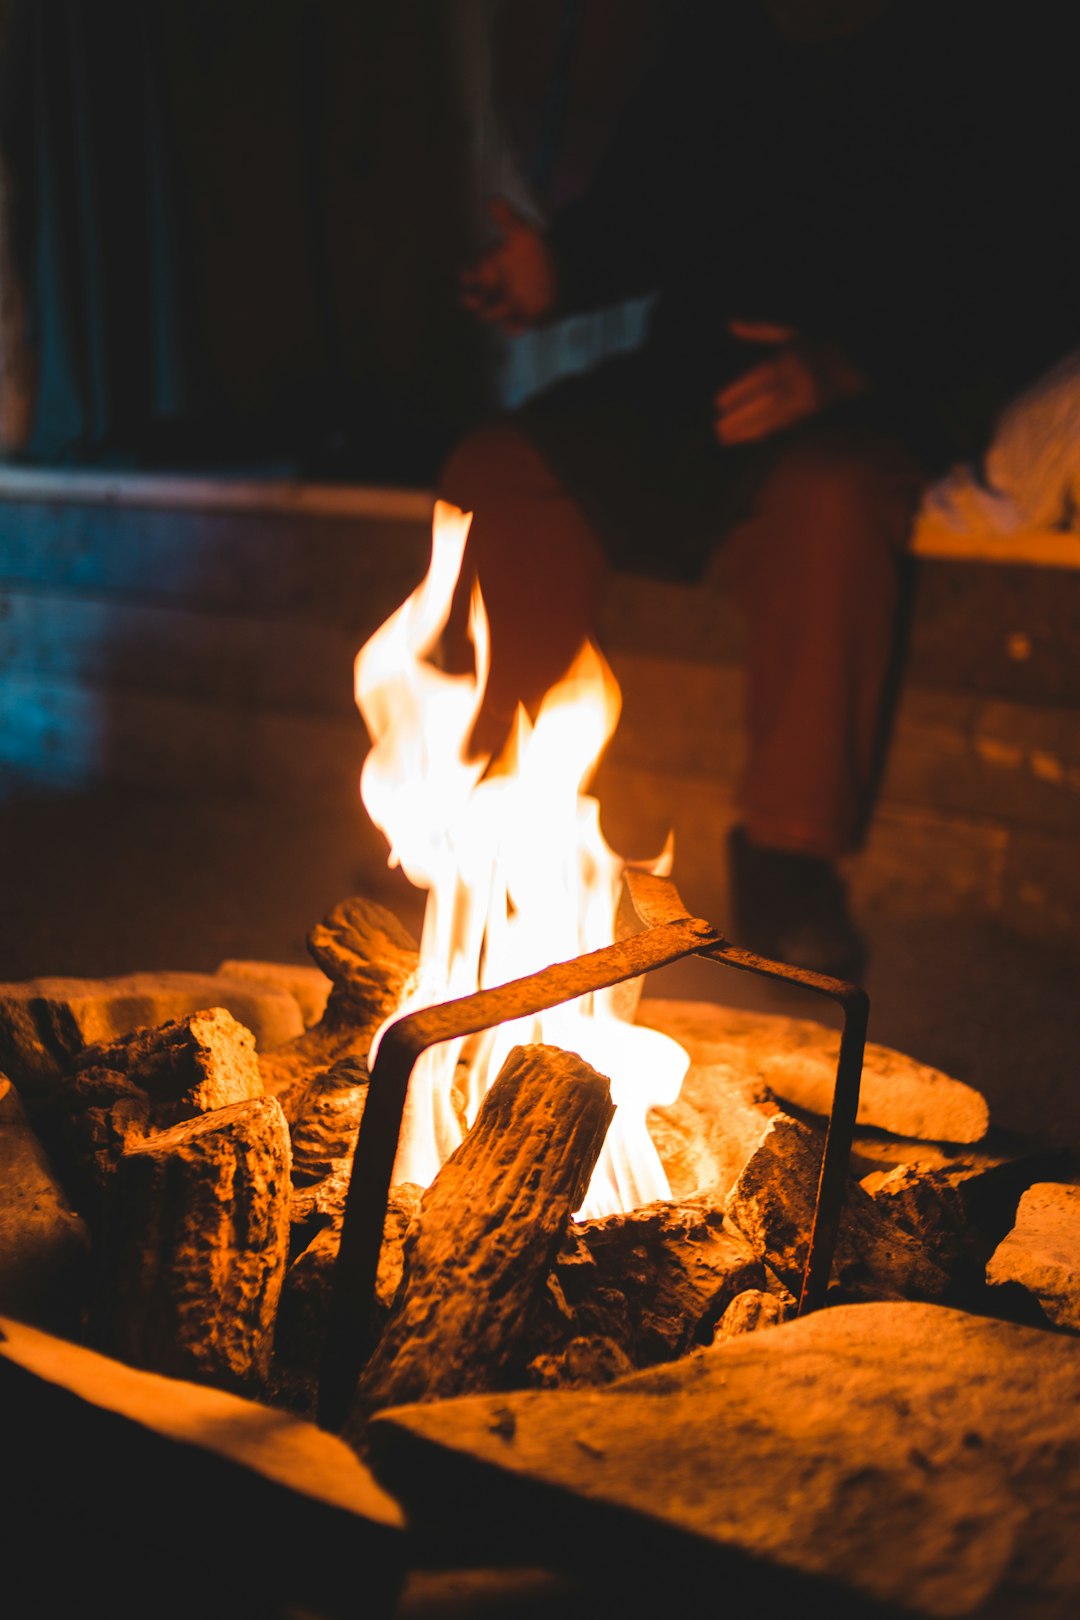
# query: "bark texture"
{"points": [[196, 1235], [488, 1230], [325, 1132], [636, 1289], [772, 1204], [123, 1091], [45, 1023], [370, 959]]}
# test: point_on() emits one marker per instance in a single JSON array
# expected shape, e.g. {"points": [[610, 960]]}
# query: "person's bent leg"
{"points": [[539, 565], [817, 567]]}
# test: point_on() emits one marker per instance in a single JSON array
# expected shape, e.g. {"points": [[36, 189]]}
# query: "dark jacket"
{"points": [[905, 191]]}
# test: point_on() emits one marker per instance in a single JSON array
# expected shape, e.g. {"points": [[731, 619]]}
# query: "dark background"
{"points": [[238, 224]]}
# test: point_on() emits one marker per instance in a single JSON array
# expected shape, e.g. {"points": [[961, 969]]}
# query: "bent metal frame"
{"points": [[660, 931]]}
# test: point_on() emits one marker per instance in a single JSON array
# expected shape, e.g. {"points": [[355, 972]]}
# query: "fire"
{"points": [[516, 869]]}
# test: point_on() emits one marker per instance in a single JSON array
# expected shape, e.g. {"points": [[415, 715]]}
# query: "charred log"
{"points": [[195, 1239], [303, 1313], [772, 1204], [633, 1290], [324, 1135], [488, 1230], [123, 1091], [371, 958]]}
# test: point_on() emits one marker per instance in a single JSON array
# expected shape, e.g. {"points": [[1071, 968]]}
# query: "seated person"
{"points": [[810, 363]]}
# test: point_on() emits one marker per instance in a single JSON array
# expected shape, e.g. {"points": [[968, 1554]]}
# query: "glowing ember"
{"points": [[517, 872]]}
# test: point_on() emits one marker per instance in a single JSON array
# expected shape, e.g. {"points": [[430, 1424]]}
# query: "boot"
{"points": [[792, 908]]}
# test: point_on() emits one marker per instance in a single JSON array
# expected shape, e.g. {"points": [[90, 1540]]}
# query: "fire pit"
{"points": [[669, 933], [576, 1351]]}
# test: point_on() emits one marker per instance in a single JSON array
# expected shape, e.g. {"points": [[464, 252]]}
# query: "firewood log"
{"points": [[489, 1228], [371, 958]]}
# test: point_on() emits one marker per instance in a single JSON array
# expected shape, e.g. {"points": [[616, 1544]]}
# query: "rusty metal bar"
{"points": [[347, 1342], [656, 900], [855, 1005], [668, 934]]}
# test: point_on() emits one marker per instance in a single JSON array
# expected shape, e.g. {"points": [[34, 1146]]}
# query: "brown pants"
{"points": [[815, 564]]}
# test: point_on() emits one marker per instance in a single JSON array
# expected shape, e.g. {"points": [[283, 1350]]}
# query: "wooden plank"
{"points": [[522, 1170]]}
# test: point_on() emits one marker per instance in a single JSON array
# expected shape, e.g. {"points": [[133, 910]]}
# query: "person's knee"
{"points": [[840, 491], [494, 464]]}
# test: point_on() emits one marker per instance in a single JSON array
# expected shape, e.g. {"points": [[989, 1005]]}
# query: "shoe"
{"points": [[792, 908]]}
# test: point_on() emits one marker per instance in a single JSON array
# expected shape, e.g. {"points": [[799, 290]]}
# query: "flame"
{"points": [[516, 869]]}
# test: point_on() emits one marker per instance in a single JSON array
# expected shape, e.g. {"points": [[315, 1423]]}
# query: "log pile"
{"points": [[210, 1181]]}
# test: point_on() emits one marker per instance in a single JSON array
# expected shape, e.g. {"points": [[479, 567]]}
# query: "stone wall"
{"points": [[197, 637]]}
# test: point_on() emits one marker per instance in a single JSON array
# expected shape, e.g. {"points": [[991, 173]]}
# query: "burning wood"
{"points": [[488, 1230], [653, 1282], [370, 959], [304, 1310], [46, 1023], [324, 1136], [628, 1291], [548, 1248], [607, 1295]]}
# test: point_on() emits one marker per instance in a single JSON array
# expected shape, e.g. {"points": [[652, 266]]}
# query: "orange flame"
{"points": [[516, 869]]}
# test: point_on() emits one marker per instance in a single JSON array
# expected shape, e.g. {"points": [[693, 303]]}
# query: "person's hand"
{"points": [[800, 377], [513, 284]]}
